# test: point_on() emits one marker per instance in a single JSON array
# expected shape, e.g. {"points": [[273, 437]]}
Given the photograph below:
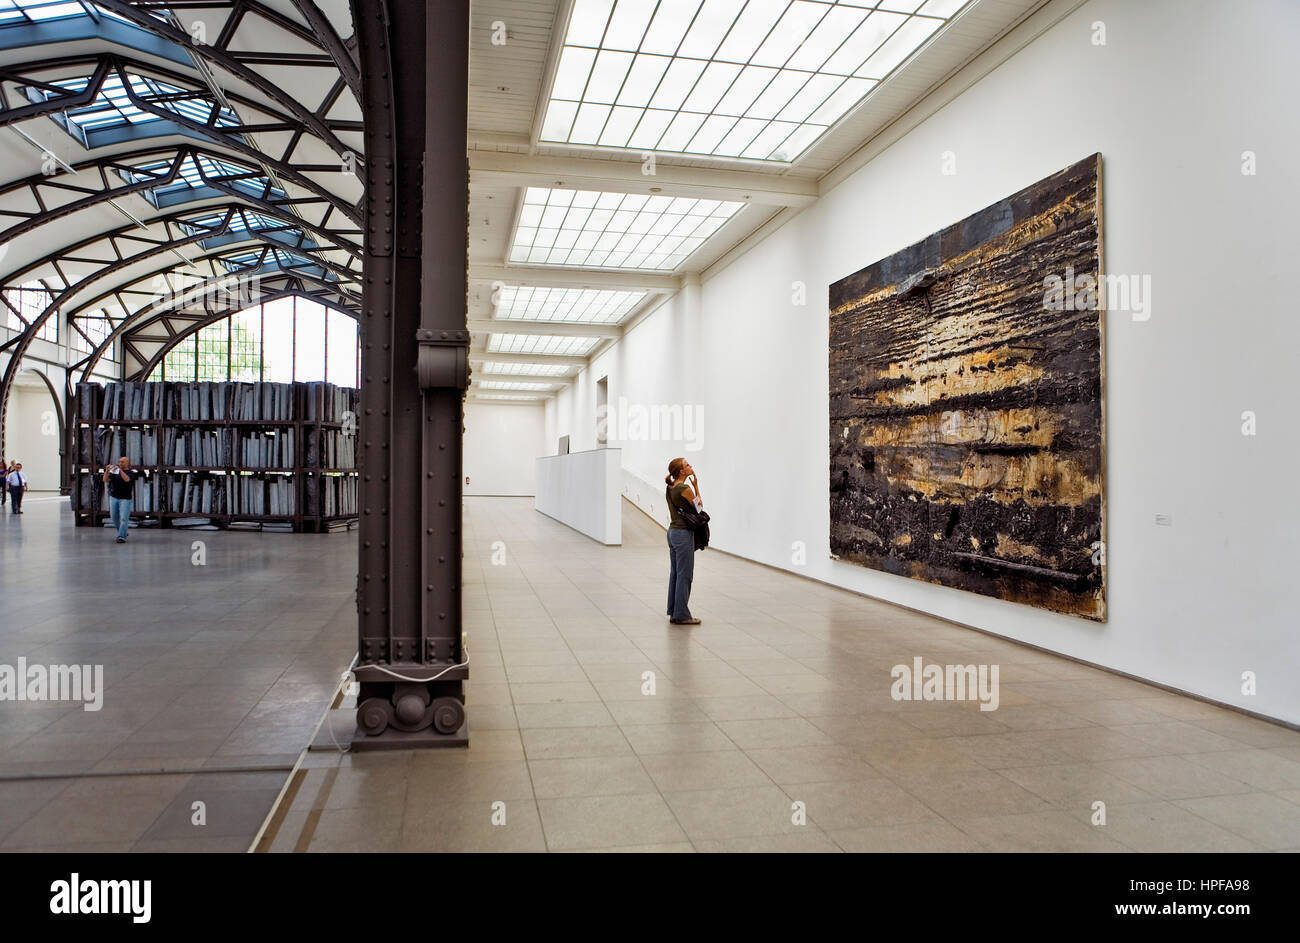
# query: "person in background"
{"points": [[16, 482], [4, 491], [683, 490], [121, 491]]}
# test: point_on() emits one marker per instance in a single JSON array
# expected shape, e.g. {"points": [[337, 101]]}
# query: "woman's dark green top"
{"points": [[673, 494]]}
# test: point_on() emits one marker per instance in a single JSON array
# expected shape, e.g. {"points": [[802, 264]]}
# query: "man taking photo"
{"points": [[121, 491]]}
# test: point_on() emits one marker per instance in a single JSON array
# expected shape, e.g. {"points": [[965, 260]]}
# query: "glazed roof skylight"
{"points": [[759, 79], [613, 230], [582, 305], [112, 106], [527, 369], [197, 171], [30, 11], [515, 385], [540, 344]]}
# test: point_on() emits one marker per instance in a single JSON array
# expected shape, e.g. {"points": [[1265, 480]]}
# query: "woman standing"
{"points": [[682, 491]]}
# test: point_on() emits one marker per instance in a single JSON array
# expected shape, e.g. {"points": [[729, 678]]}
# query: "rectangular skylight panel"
{"points": [[650, 129], [739, 137], [572, 73], [711, 133], [711, 86], [767, 140], [866, 39], [941, 8], [642, 80], [831, 32], [798, 21], [783, 87], [840, 101], [709, 28], [797, 142], [589, 123], [540, 344], [900, 6], [668, 28], [627, 27], [751, 28], [678, 80], [744, 90], [809, 98], [898, 47], [587, 23], [517, 385], [624, 230], [607, 76], [559, 119], [527, 369], [680, 132]]}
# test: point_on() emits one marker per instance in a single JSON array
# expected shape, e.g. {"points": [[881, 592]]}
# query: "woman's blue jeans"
{"points": [[681, 554]]}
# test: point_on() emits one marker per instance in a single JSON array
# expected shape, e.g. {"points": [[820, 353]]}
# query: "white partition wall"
{"points": [[582, 490]]}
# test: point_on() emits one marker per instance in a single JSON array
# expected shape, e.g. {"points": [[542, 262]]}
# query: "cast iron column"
{"points": [[411, 666]]}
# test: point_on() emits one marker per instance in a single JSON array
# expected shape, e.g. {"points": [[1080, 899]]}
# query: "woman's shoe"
{"points": [[686, 622]]}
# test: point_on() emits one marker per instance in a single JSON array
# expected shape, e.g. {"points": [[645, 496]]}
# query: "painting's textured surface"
{"points": [[966, 403]]}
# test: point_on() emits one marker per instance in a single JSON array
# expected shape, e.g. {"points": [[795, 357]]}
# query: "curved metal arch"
{"points": [[107, 62], [63, 434], [105, 165], [143, 315], [270, 244], [171, 304], [151, 364], [219, 55], [24, 340], [184, 219]]}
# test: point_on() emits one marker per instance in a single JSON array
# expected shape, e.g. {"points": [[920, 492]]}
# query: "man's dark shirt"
{"points": [[119, 483]]}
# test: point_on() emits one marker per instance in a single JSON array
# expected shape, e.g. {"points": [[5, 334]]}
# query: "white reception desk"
{"points": [[583, 490]]}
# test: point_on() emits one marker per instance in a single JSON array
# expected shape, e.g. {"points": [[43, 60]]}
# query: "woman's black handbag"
{"points": [[698, 522]]}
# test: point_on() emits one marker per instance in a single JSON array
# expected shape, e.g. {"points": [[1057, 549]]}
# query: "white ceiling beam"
{"points": [[538, 276], [497, 169], [558, 328]]}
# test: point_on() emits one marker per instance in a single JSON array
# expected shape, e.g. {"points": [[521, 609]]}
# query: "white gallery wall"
{"points": [[31, 425], [502, 443], [1178, 92]]}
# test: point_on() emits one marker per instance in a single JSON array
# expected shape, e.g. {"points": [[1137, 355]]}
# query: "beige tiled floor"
{"points": [[777, 704], [207, 669]]}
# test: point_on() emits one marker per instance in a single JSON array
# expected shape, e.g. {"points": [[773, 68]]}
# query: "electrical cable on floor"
{"points": [[275, 806]]}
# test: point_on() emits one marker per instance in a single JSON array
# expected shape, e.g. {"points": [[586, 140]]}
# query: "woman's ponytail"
{"points": [[674, 468]]}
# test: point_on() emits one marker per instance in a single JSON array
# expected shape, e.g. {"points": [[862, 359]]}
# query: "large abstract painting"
{"points": [[967, 443]]}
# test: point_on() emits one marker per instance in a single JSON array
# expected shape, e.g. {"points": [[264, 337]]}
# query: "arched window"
{"points": [[288, 339]]}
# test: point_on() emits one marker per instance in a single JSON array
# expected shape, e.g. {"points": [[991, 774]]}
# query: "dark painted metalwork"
{"points": [[411, 658]]}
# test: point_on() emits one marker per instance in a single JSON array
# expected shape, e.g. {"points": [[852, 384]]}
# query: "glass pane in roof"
{"points": [[642, 80], [627, 26], [607, 76], [898, 47], [757, 60], [527, 369], [623, 231], [791, 30], [668, 28]]}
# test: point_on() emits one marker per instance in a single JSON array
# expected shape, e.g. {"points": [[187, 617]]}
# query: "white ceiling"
{"points": [[508, 93]]}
